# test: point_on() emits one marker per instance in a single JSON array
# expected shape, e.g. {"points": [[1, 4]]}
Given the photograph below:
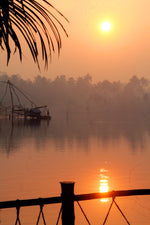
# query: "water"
{"points": [[36, 157]]}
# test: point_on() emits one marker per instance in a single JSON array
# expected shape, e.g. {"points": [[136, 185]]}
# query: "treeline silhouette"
{"points": [[102, 101]]}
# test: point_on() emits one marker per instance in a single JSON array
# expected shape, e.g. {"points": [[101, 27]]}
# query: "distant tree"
{"points": [[30, 17]]}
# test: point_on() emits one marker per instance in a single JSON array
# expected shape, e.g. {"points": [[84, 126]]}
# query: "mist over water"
{"points": [[73, 128], [102, 101], [94, 128]]}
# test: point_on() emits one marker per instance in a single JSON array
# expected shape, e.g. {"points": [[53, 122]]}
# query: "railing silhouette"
{"points": [[67, 199]]}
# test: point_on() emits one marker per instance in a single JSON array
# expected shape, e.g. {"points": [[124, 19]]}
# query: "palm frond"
{"points": [[35, 21]]}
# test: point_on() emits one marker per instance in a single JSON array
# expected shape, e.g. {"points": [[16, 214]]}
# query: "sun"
{"points": [[105, 26]]}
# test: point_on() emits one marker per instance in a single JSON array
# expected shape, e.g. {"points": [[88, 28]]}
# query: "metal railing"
{"points": [[67, 199]]}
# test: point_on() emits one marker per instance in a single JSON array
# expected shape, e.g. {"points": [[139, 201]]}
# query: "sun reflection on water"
{"points": [[103, 183]]}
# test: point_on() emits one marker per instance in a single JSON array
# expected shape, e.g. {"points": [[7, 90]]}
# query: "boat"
{"points": [[17, 108]]}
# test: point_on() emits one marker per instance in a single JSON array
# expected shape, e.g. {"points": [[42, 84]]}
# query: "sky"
{"points": [[119, 54]]}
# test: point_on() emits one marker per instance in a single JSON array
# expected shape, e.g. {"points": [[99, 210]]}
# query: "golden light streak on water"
{"points": [[103, 183]]}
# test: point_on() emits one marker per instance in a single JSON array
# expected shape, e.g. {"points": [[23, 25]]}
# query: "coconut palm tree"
{"points": [[36, 20]]}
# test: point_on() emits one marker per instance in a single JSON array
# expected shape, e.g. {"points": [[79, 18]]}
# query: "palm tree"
{"points": [[30, 17]]}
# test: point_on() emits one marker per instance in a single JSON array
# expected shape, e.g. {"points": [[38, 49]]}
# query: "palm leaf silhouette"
{"points": [[31, 18]]}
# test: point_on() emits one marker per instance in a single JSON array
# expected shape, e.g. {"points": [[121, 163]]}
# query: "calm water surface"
{"points": [[36, 157]]}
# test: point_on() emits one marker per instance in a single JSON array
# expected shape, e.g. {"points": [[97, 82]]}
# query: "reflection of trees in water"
{"points": [[134, 132], [6, 136], [13, 135], [74, 130]]}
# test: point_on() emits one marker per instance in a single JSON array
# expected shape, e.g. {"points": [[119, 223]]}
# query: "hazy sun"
{"points": [[105, 26]]}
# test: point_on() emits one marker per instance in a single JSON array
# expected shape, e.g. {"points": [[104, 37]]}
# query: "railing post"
{"points": [[67, 195]]}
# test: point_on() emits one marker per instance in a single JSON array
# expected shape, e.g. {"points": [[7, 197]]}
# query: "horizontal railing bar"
{"points": [[29, 202], [112, 194], [81, 197]]}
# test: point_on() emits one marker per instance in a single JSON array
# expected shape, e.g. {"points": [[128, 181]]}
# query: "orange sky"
{"points": [[116, 55]]}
